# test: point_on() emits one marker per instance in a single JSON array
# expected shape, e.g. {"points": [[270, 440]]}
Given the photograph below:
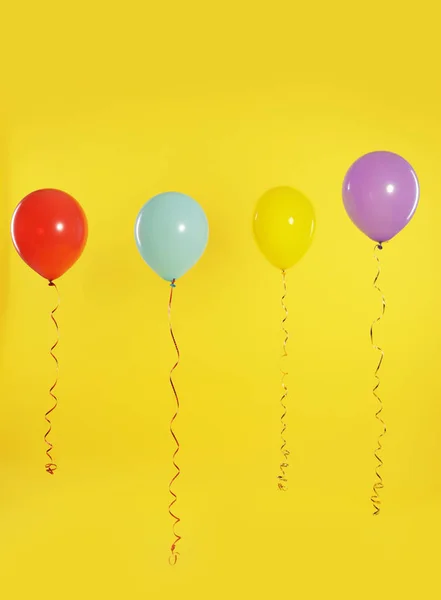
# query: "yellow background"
{"points": [[221, 101]]}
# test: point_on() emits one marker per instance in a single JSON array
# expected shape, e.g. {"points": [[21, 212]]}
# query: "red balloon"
{"points": [[49, 231]]}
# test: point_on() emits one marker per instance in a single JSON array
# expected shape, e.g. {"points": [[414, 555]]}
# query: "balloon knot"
{"points": [[172, 284], [380, 246]]}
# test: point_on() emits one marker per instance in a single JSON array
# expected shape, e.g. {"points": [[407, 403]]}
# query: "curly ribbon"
{"points": [[174, 555], [51, 467], [375, 498], [282, 478]]}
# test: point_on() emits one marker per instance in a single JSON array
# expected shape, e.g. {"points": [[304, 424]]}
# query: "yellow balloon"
{"points": [[284, 224]]}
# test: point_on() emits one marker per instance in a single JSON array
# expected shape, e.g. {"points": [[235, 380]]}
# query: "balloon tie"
{"points": [[51, 467], [378, 485], [174, 555], [282, 478]]}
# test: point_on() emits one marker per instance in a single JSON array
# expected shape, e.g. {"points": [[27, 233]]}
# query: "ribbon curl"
{"points": [[282, 478], [174, 554], [378, 485], [50, 466]]}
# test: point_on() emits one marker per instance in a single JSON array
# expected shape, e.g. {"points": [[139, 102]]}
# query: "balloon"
{"points": [[284, 224], [49, 231], [380, 194], [171, 233]]}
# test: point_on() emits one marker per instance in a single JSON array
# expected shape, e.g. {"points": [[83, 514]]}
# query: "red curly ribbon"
{"points": [[174, 554], [51, 467], [378, 485], [282, 478]]}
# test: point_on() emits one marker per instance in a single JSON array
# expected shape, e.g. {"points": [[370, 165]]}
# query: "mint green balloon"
{"points": [[171, 234]]}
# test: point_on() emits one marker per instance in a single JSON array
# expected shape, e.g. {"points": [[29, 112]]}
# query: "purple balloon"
{"points": [[380, 194]]}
